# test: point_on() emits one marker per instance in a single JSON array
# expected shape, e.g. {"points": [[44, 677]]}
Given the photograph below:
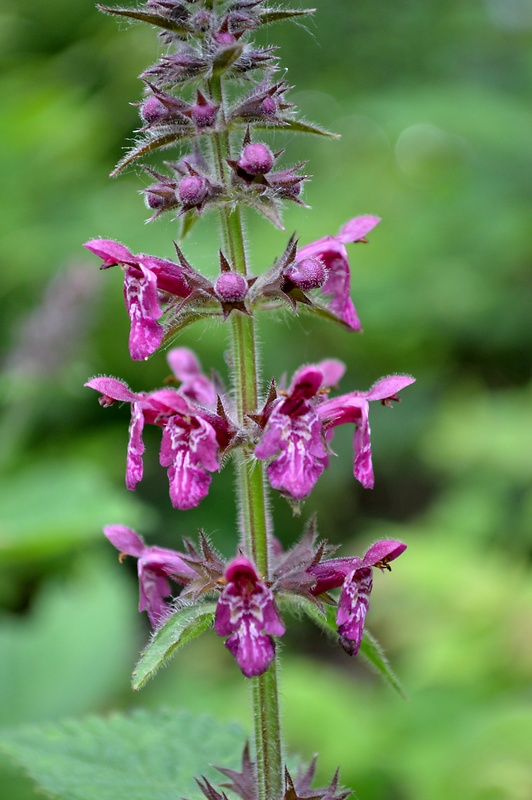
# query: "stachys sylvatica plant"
{"points": [[207, 102]]}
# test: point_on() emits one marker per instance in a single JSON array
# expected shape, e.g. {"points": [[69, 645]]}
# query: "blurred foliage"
{"points": [[432, 101]]}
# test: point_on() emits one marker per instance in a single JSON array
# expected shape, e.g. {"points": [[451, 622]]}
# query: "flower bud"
{"points": [[309, 273], [231, 287], [192, 190], [159, 197], [256, 159], [204, 112], [152, 110]]}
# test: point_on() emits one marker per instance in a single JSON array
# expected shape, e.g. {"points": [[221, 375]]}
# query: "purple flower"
{"points": [[246, 613], [193, 438], [155, 565], [300, 425], [294, 433], [355, 576], [354, 407], [194, 385], [150, 286], [332, 251]]}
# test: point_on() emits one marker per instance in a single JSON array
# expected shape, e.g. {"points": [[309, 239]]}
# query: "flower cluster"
{"points": [[246, 609], [156, 287], [293, 431]]}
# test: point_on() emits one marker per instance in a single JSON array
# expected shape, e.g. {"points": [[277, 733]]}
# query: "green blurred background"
{"points": [[433, 103]]}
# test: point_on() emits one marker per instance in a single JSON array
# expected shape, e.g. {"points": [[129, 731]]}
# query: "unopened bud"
{"points": [[268, 106], [231, 287], [152, 110], [192, 190], [256, 159], [309, 273], [203, 112]]}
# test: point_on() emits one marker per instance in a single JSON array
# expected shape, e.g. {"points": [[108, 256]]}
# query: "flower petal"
{"points": [[353, 607]]}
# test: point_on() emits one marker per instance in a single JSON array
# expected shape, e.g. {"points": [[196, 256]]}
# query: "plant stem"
{"points": [[254, 522], [251, 484]]}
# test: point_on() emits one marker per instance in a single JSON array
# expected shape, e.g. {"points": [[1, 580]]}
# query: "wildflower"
{"points": [[246, 613], [193, 440], [354, 407], [355, 576], [299, 427], [155, 565], [332, 251], [146, 278], [294, 434]]}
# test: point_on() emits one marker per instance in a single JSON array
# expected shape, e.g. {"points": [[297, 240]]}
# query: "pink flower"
{"points": [[355, 576], [354, 407], [300, 425], [150, 286], [155, 565], [332, 252], [193, 436], [246, 613], [294, 434]]}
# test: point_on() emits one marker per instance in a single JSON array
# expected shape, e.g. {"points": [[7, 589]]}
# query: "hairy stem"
{"points": [[251, 484]]}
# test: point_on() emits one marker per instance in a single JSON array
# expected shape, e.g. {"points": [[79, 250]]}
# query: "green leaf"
{"points": [[298, 126], [269, 15], [370, 649], [151, 19], [182, 627], [144, 755], [146, 146], [226, 58]]}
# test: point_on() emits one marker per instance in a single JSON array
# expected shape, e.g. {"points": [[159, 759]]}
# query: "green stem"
{"points": [[251, 484]]}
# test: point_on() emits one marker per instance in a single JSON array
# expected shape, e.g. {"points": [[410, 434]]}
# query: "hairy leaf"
{"points": [[186, 624], [143, 755], [370, 649], [269, 15]]}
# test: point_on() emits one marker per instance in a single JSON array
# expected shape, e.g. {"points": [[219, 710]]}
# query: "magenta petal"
{"points": [[135, 448], [189, 451], [125, 540], [303, 456], [332, 370], [110, 251], [383, 552], [331, 574], [363, 463], [194, 385], [389, 386], [113, 388], [353, 607], [356, 228], [142, 303], [254, 651]]}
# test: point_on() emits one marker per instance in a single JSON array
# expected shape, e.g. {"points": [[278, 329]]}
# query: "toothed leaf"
{"points": [[185, 625], [142, 755]]}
